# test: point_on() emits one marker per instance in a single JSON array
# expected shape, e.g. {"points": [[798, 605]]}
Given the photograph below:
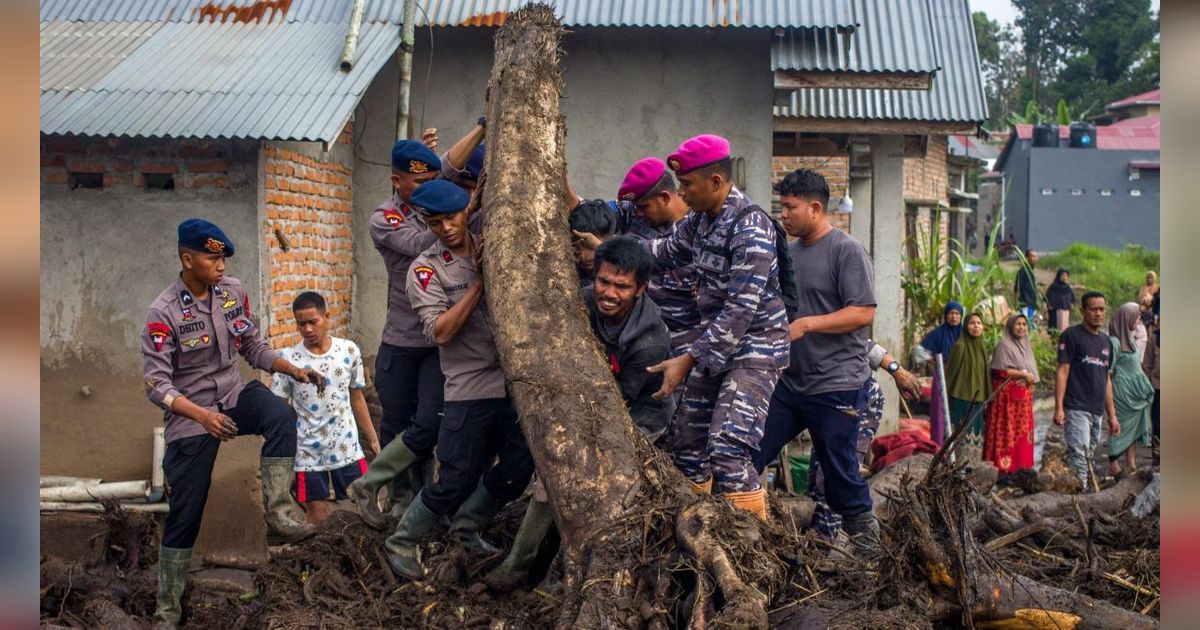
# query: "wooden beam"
{"points": [[873, 127], [795, 79]]}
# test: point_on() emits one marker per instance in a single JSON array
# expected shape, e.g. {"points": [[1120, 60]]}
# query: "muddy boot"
{"points": [[415, 524], [864, 533], [278, 503], [394, 460], [753, 501], [172, 577], [472, 517], [515, 568]]}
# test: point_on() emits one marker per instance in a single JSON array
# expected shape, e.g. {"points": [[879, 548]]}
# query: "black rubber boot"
{"points": [[415, 524]]}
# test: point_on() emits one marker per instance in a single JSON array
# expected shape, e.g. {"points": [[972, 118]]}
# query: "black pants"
{"points": [[474, 432], [188, 462], [409, 382], [831, 420]]}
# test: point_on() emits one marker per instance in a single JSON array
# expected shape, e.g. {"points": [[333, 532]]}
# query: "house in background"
{"points": [[1105, 193], [889, 147], [1141, 105], [153, 111]]}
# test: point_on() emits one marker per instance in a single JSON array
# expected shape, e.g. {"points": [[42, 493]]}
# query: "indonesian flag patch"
{"points": [[393, 218], [424, 275], [158, 333]]}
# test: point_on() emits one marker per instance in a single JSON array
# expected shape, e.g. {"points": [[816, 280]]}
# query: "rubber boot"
{"points": [[753, 501], [278, 503], [702, 488], [415, 524], [393, 460], [515, 568], [864, 533], [172, 578], [472, 516]]}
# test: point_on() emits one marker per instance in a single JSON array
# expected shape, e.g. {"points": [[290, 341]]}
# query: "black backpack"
{"points": [[787, 280]]}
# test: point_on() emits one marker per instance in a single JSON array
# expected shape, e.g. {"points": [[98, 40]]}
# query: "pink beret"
{"points": [[644, 174], [698, 152]]}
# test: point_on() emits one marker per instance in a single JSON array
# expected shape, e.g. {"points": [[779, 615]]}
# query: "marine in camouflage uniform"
{"points": [[673, 290], [743, 341]]}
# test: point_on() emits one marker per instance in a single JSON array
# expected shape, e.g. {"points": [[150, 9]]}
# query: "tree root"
{"points": [[744, 605]]}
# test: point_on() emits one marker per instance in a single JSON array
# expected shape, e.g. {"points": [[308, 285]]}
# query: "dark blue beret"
{"points": [[204, 236], [475, 163], [440, 197], [410, 156]]}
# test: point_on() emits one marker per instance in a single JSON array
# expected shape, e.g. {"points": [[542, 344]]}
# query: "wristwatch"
{"points": [[482, 122], [893, 367]]}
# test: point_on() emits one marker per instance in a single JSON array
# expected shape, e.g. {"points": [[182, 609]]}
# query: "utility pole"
{"points": [[405, 56]]}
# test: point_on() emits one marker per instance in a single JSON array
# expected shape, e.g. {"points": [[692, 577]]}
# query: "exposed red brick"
{"points": [[158, 167], [208, 166]]}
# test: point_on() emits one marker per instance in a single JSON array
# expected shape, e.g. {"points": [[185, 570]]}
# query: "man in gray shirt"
{"points": [[819, 388]]}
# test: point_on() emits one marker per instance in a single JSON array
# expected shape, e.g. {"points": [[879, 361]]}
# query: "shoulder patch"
{"points": [[424, 275], [158, 333], [393, 217]]}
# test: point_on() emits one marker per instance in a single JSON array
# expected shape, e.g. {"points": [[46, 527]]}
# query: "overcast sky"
{"points": [[1002, 10]]}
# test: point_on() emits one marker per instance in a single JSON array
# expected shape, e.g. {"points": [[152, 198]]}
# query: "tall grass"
{"points": [[1117, 274]]}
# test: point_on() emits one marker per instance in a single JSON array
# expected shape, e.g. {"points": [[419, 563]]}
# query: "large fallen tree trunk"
{"points": [[621, 507]]}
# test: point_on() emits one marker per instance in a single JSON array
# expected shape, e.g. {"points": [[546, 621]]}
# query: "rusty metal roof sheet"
{"points": [[696, 13], [232, 80], [956, 94]]}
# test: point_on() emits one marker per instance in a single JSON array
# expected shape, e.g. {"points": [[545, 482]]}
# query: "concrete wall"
{"points": [[105, 254], [628, 93], [1014, 193], [1112, 221]]}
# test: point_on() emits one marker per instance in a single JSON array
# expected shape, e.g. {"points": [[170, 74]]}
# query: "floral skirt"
{"points": [[1008, 434]]}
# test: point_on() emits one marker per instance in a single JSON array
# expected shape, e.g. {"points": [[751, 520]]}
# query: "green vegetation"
{"points": [[1117, 274]]}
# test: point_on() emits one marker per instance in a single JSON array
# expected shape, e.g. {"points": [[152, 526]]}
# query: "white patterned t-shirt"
{"points": [[326, 434]]}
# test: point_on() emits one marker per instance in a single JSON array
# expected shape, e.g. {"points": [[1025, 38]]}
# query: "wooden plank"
{"points": [[874, 127], [796, 79]]}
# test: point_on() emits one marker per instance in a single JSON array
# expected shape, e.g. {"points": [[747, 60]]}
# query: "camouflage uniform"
{"points": [[742, 345], [673, 290]]}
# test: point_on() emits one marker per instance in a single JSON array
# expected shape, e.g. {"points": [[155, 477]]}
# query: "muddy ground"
{"points": [[340, 579]]}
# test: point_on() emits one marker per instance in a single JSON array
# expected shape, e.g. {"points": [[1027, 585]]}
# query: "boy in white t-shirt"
{"points": [[328, 453]]}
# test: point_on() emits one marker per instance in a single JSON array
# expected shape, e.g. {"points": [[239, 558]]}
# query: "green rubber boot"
{"points": [[414, 526], [172, 578], [470, 519], [278, 504], [515, 568], [393, 461]]}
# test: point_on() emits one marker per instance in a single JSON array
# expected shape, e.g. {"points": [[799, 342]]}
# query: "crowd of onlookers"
{"points": [[1106, 376]]}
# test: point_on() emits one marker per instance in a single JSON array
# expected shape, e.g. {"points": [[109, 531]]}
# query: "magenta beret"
{"points": [[698, 152], [644, 174]]}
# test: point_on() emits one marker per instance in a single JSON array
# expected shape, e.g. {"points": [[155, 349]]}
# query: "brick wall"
{"points": [[925, 175], [126, 164], [836, 170], [307, 197]]}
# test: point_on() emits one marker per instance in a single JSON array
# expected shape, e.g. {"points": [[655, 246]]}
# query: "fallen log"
{"points": [[1109, 500]]}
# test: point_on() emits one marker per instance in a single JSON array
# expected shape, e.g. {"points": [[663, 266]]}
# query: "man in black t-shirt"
{"points": [[1083, 391]]}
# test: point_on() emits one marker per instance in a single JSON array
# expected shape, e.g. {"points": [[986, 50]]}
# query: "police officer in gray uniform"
{"points": [[195, 329], [479, 423], [407, 375]]}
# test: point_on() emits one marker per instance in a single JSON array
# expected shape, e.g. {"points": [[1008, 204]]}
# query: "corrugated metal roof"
{"points": [[956, 94], [894, 37], [702, 13], [75, 55], [233, 80]]}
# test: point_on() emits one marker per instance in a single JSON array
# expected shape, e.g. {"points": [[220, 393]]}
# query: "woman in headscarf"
{"points": [[1060, 299], [1145, 299], [968, 388], [1132, 391], [1008, 436], [939, 341]]}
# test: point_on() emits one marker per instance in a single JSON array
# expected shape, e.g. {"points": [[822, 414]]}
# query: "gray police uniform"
{"points": [[407, 375], [190, 348], [741, 349], [479, 419]]}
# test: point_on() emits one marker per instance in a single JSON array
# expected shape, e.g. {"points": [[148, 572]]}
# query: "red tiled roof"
{"points": [[1146, 98], [1132, 134]]}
